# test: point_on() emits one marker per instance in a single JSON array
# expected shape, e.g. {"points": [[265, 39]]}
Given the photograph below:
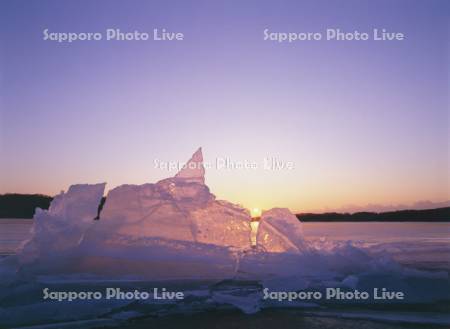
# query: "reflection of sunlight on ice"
{"points": [[254, 226]]}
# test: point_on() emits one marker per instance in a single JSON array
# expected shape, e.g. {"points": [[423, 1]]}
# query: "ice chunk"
{"points": [[151, 212], [147, 210], [175, 225], [178, 208], [280, 231], [187, 194], [63, 226], [193, 170], [79, 204], [223, 223]]}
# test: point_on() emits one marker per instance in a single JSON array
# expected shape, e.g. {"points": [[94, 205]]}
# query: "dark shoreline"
{"points": [[425, 215]]}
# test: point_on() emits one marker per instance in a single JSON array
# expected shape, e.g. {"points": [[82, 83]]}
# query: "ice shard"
{"points": [[178, 208], [193, 170], [148, 210], [63, 225], [280, 231]]}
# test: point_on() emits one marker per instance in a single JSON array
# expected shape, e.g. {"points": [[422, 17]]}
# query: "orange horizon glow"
{"points": [[321, 198]]}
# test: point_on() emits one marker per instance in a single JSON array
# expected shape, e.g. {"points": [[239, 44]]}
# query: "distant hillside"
{"points": [[24, 205], [427, 215]]}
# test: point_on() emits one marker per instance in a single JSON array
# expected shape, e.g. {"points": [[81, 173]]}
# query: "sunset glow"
{"points": [[326, 131], [256, 212]]}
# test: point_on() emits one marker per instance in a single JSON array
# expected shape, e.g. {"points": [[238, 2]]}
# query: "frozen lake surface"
{"points": [[12, 233]]}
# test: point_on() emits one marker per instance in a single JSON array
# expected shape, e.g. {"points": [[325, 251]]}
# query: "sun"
{"points": [[255, 212]]}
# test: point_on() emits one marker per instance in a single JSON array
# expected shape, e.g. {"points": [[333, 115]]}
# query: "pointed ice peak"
{"points": [[193, 170]]}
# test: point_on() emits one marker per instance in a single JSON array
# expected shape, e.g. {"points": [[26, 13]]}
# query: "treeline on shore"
{"points": [[24, 205], [425, 215]]}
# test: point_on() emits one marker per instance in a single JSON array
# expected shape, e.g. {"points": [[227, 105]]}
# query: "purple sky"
{"points": [[363, 122]]}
